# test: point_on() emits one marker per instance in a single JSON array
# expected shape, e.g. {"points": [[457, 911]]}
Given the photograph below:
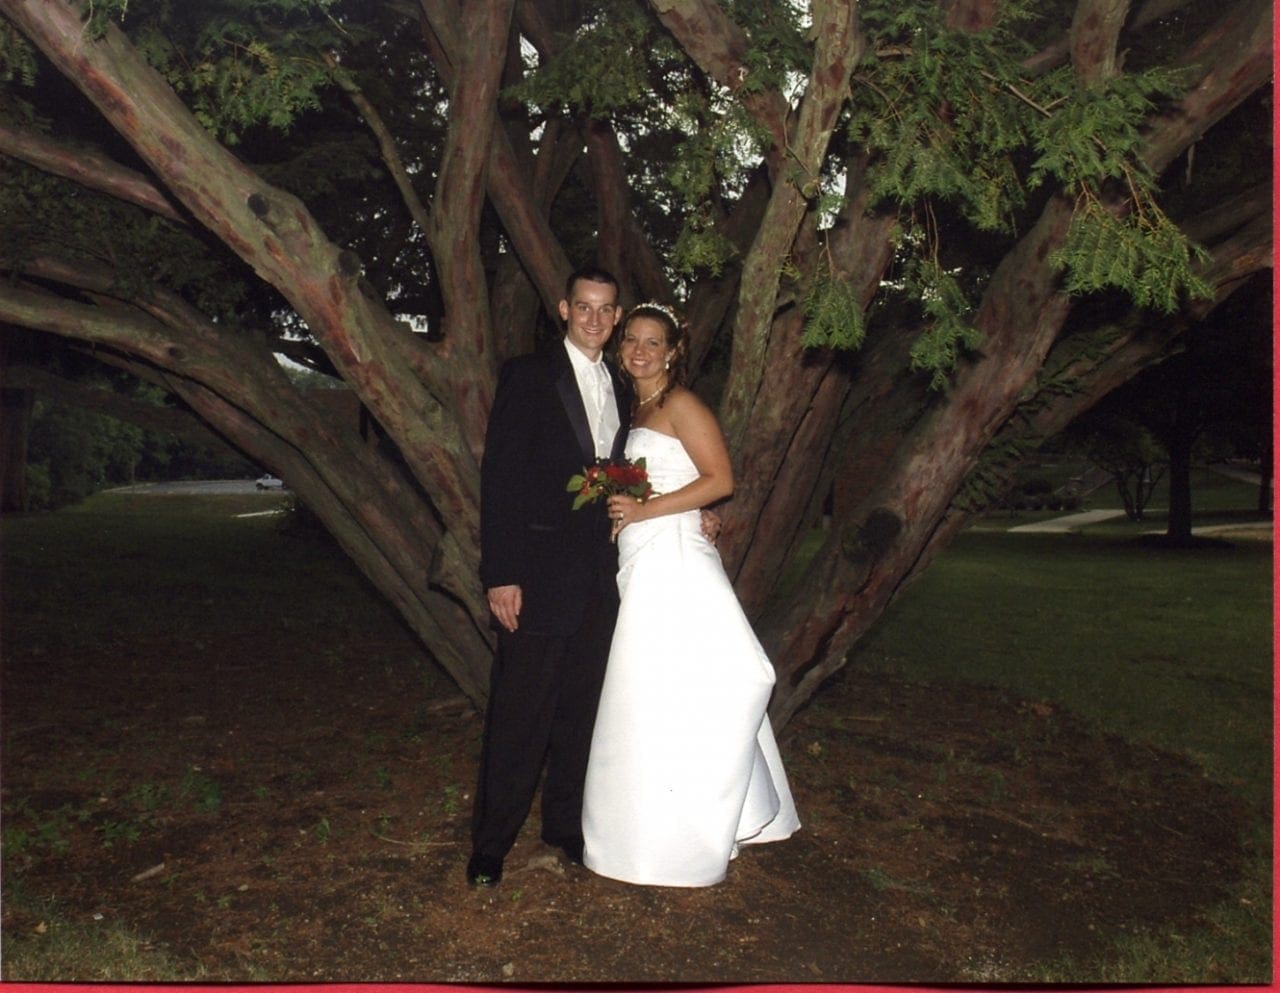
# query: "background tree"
{"points": [[1209, 400], [1126, 449], [913, 240], [77, 425]]}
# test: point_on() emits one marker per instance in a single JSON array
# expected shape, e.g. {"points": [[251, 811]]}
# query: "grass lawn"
{"points": [[1163, 646], [1170, 647]]}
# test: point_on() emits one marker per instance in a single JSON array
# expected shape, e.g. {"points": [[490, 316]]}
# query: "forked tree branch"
{"points": [[87, 167]]}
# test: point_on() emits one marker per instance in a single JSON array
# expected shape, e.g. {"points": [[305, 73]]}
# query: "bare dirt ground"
{"points": [[264, 812]]}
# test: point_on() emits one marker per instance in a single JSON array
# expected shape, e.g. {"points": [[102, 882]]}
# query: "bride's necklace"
{"points": [[652, 396]]}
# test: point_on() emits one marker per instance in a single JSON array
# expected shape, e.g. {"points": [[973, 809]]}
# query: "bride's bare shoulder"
{"points": [[681, 399], [689, 415]]}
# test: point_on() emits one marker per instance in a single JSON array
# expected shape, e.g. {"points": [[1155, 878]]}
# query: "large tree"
{"points": [[913, 239]]}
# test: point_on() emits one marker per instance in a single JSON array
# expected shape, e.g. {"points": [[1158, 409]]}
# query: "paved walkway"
{"points": [[1072, 522], [194, 487]]}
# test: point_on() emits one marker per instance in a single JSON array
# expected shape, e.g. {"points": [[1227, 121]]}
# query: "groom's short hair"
{"points": [[592, 274]]}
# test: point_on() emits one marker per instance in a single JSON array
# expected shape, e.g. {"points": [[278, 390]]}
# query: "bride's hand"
{"points": [[624, 510], [711, 525]]}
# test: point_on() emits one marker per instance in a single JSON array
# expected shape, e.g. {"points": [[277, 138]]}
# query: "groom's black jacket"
{"points": [[530, 535]]}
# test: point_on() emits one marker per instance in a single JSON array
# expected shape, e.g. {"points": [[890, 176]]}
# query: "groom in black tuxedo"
{"points": [[550, 575]]}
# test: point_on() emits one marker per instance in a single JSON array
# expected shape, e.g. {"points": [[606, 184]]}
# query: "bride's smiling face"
{"points": [[643, 348]]}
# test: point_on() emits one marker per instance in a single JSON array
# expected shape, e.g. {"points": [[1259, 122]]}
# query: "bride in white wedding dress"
{"points": [[684, 767]]}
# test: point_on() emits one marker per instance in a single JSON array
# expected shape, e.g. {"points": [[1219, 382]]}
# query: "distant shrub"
{"points": [[1035, 493]]}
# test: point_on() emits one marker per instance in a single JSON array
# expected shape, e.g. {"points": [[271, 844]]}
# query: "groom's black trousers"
{"points": [[543, 694]]}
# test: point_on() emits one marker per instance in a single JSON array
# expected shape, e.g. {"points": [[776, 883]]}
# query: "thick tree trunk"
{"points": [[860, 569], [912, 458], [870, 552], [455, 216], [787, 458], [1179, 527], [838, 48], [1179, 439]]}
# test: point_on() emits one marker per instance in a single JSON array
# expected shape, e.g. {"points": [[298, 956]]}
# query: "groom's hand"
{"points": [[505, 602]]}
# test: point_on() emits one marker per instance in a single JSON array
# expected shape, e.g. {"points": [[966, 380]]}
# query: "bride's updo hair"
{"points": [[677, 338]]}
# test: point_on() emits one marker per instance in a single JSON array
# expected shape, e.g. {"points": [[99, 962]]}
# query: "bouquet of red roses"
{"points": [[607, 477]]}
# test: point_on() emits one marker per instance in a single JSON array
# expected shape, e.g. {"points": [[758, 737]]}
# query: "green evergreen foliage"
{"points": [[833, 313], [694, 173], [17, 57], [101, 14], [778, 48], [1142, 252], [1093, 139], [23, 193], [605, 68], [990, 478], [940, 111], [950, 119], [1093, 133], [710, 163], [701, 246], [239, 63], [950, 332]]}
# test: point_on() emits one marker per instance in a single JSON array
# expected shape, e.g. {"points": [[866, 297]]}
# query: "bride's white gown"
{"points": [[683, 765]]}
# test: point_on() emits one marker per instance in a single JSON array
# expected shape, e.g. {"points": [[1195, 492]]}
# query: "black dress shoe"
{"points": [[572, 847], [484, 870]]}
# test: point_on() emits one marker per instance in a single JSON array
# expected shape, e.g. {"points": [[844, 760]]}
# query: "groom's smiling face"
{"points": [[590, 313]]}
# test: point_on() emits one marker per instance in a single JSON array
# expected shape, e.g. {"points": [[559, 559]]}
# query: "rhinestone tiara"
{"points": [[654, 305]]}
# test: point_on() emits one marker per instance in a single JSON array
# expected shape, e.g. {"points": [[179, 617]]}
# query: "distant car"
{"points": [[269, 482]]}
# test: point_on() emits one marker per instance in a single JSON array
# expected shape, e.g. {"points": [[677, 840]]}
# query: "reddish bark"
{"points": [[86, 167], [1095, 30], [1054, 54], [803, 396], [836, 52], [622, 247], [1232, 60], [972, 15], [719, 47], [524, 217], [455, 218]]}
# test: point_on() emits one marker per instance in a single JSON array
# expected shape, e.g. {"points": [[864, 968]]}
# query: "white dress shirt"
{"points": [[596, 387]]}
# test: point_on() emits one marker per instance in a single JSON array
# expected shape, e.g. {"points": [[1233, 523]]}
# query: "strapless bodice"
{"points": [[666, 461]]}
